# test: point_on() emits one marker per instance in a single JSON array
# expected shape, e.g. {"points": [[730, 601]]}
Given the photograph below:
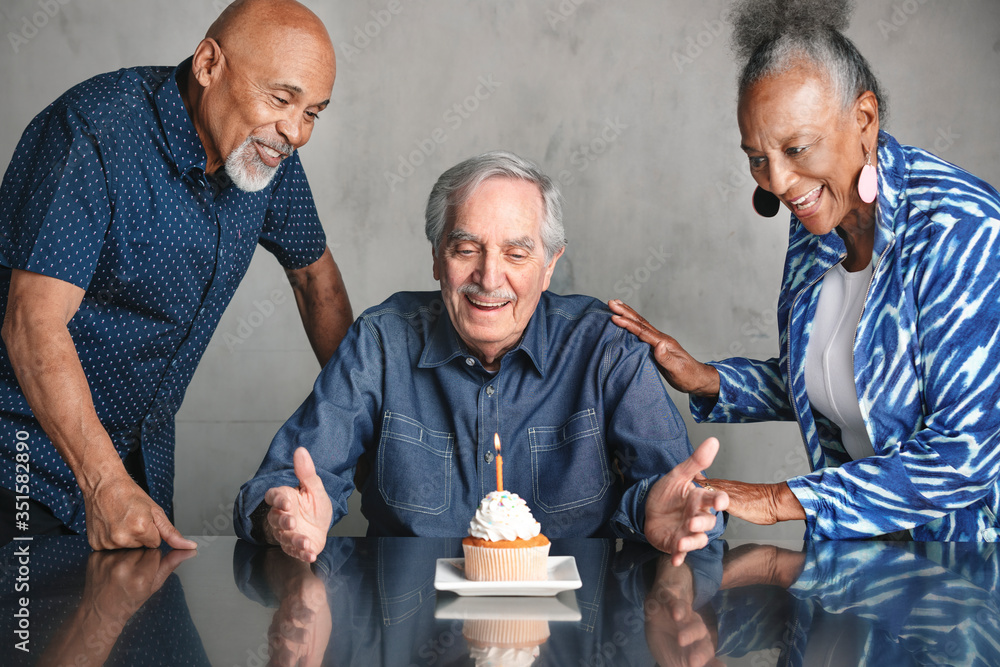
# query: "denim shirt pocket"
{"points": [[569, 464], [414, 465]]}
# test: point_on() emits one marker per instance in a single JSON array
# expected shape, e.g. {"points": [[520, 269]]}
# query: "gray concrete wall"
{"points": [[629, 104]]}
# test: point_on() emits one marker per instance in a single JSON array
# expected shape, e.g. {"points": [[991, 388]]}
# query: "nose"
{"points": [[293, 131], [491, 276], [780, 177]]}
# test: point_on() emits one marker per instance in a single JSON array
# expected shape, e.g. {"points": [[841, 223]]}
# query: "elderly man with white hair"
{"points": [[408, 406]]}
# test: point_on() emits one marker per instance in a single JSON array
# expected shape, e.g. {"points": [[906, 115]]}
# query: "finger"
{"points": [[281, 521], [168, 564], [303, 548], [701, 459], [702, 523], [147, 534], [279, 497], [296, 553], [305, 470], [692, 542], [625, 311], [720, 501], [175, 557], [170, 535], [635, 324]]}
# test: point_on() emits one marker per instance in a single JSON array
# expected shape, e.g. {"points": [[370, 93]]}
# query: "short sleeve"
{"points": [[54, 205], [292, 230]]}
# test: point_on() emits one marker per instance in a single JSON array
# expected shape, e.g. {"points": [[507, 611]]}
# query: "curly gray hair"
{"points": [[458, 183], [772, 36]]}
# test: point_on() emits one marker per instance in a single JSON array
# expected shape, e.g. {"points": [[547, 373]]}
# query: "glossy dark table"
{"points": [[373, 602]]}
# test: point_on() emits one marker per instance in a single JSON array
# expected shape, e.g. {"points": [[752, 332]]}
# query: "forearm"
{"points": [[323, 304], [707, 385], [753, 564], [49, 372], [86, 638], [763, 504], [747, 390]]}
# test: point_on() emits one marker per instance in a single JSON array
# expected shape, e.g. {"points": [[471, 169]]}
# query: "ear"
{"points": [[552, 267], [206, 65], [866, 116], [437, 271]]}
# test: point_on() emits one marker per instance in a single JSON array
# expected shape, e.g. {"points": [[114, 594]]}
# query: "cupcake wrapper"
{"points": [[488, 564], [506, 633]]}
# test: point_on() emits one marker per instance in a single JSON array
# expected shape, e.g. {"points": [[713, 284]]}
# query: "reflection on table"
{"points": [[85, 608], [372, 602]]}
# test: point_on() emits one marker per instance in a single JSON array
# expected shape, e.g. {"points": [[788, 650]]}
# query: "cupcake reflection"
{"points": [[504, 643]]}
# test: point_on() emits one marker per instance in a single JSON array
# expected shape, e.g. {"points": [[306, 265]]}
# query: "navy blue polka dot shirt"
{"points": [[107, 190]]}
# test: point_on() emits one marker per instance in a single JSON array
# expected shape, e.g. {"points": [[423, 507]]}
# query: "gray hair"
{"points": [[458, 183], [773, 36]]}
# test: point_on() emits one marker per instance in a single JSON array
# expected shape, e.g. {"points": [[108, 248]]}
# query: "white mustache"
{"points": [[473, 289], [274, 145]]}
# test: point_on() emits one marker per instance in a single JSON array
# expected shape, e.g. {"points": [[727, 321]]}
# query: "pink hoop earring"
{"points": [[868, 181]]}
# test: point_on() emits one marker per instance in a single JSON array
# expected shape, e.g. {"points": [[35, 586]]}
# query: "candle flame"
{"points": [[496, 442]]}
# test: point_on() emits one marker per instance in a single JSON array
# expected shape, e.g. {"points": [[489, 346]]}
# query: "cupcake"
{"points": [[505, 542]]}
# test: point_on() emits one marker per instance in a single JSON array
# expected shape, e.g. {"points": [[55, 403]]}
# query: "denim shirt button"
{"points": [[469, 361], [490, 390], [489, 456]]}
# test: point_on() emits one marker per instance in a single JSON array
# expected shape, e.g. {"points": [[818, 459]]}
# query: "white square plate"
{"points": [[558, 607], [563, 576]]}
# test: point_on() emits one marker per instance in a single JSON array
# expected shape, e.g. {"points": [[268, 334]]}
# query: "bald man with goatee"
{"points": [[128, 216]]}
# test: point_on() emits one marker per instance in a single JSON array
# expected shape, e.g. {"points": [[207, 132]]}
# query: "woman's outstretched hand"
{"points": [[680, 369]]}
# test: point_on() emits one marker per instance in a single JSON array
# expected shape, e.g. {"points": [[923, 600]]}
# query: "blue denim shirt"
{"points": [[585, 423]]}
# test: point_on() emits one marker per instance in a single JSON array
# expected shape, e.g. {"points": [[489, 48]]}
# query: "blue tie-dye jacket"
{"points": [[926, 362]]}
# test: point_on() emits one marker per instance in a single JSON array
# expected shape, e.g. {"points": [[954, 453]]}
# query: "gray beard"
{"points": [[246, 170]]}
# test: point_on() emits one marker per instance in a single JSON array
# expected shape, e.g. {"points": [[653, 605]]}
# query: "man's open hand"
{"points": [[300, 518], [678, 513]]}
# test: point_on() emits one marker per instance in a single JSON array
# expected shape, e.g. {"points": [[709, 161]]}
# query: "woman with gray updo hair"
{"points": [[455, 185], [889, 310]]}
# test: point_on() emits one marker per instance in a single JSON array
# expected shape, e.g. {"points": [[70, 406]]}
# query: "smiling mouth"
{"points": [[270, 156], [486, 305], [807, 202]]}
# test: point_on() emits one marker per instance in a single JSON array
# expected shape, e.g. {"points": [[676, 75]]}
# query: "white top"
{"points": [[830, 356]]}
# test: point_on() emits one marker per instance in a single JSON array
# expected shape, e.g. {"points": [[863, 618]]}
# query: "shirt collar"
{"points": [[185, 146], [443, 345], [891, 172]]}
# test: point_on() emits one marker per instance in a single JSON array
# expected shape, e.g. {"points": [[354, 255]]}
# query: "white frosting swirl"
{"points": [[502, 515], [491, 656]]}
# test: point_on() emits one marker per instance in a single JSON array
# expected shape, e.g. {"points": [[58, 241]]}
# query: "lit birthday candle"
{"points": [[496, 445]]}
